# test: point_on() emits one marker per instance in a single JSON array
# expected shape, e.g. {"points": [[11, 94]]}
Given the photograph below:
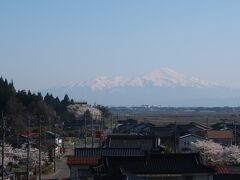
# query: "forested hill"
{"points": [[20, 105]]}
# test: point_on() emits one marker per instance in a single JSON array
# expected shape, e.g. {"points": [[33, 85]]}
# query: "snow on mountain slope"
{"points": [[164, 87], [165, 77]]}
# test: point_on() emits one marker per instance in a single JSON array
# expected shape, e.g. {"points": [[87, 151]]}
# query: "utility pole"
{"points": [[103, 122], [85, 133], [3, 142], [116, 120], [175, 137], [92, 132], [235, 133], [54, 152], [102, 131], [28, 149], [40, 143], [207, 121], [111, 123]]}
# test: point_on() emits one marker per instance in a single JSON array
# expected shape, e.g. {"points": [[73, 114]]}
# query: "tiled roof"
{"points": [[98, 152], [187, 135], [132, 141], [162, 132], [143, 144], [144, 125], [125, 128], [156, 164], [215, 134], [183, 129], [130, 136], [72, 160], [128, 121]]}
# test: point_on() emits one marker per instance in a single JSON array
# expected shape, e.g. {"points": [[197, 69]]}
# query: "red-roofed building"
{"points": [[83, 158], [73, 160], [224, 137], [80, 166]]}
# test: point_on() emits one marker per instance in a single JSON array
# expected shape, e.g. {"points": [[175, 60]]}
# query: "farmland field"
{"points": [[163, 118]]}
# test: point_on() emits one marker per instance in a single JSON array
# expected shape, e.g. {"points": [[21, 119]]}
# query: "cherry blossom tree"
{"points": [[231, 155], [216, 154], [15, 155], [9, 155]]}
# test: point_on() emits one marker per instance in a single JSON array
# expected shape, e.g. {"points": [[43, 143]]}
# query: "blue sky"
{"points": [[47, 43]]}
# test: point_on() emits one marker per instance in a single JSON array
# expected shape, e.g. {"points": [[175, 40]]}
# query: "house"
{"points": [[52, 139], [154, 166], [221, 126], [98, 152], [84, 158], [194, 127], [167, 137], [229, 126], [20, 139], [190, 128], [125, 128], [128, 121], [79, 166], [166, 134], [226, 126], [224, 137], [170, 133], [184, 142], [134, 128], [142, 128], [144, 142], [73, 125]]}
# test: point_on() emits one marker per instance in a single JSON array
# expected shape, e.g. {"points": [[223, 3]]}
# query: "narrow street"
{"points": [[62, 170]]}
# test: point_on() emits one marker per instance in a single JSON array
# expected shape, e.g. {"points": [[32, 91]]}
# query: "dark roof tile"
{"points": [[97, 152], [156, 164]]}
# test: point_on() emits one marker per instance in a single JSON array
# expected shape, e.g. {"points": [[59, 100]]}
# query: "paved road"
{"points": [[62, 169]]}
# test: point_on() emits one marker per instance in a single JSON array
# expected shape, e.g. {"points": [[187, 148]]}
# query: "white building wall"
{"points": [[185, 143]]}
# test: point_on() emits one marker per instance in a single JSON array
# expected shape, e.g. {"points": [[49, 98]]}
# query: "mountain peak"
{"points": [[161, 78], [163, 87]]}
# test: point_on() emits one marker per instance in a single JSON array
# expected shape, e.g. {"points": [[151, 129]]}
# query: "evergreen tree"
{"points": [[66, 101]]}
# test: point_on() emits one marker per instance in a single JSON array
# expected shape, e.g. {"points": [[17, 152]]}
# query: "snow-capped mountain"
{"points": [[166, 77], [165, 87]]}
